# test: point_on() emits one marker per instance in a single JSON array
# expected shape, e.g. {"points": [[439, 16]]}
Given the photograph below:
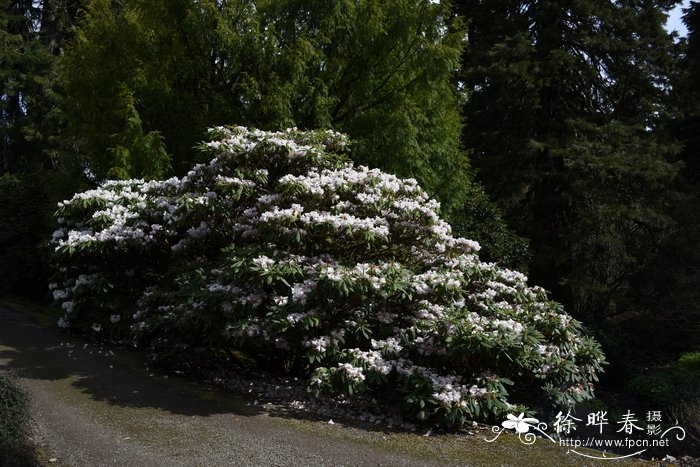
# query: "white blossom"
{"points": [[352, 372], [360, 257]]}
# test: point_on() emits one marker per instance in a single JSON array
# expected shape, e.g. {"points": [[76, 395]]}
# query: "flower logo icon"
{"points": [[519, 423]]}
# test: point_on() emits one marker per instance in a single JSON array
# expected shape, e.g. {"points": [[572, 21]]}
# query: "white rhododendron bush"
{"points": [[280, 249]]}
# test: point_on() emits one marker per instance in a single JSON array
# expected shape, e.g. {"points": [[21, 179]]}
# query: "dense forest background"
{"points": [[563, 136]]}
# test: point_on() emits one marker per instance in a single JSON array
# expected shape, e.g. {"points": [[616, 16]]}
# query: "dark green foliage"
{"points": [[672, 385], [14, 424], [24, 65], [676, 323], [568, 118], [563, 118], [675, 388], [31, 35], [22, 229], [480, 220], [687, 94], [144, 79]]}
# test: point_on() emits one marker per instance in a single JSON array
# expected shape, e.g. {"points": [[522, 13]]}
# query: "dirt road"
{"points": [[96, 407], [102, 407]]}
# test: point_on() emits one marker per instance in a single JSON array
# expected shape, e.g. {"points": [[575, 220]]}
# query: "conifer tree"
{"points": [[675, 297], [32, 35], [23, 63], [688, 97], [564, 115]]}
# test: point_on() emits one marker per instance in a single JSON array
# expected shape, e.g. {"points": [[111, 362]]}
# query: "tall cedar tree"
{"points": [[676, 297], [688, 96], [23, 64], [566, 100], [32, 34], [144, 79]]}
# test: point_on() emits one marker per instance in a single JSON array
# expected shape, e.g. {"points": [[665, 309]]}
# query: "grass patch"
{"points": [[15, 447], [669, 386], [675, 388]]}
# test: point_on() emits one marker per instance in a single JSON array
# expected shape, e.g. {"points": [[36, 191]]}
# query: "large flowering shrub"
{"points": [[281, 249]]}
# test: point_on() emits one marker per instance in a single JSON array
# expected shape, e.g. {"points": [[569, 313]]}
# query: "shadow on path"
{"points": [[101, 406], [96, 406], [118, 377]]}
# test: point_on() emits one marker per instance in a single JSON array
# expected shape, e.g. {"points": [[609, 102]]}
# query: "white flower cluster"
{"points": [[351, 372], [319, 344], [390, 345], [373, 360], [323, 254]]}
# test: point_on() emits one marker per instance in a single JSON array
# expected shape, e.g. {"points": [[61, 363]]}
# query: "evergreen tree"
{"points": [[144, 79], [31, 37], [676, 297], [564, 114], [687, 95], [23, 63]]}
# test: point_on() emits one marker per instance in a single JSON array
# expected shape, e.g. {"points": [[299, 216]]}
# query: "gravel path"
{"points": [[97, 407]]}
